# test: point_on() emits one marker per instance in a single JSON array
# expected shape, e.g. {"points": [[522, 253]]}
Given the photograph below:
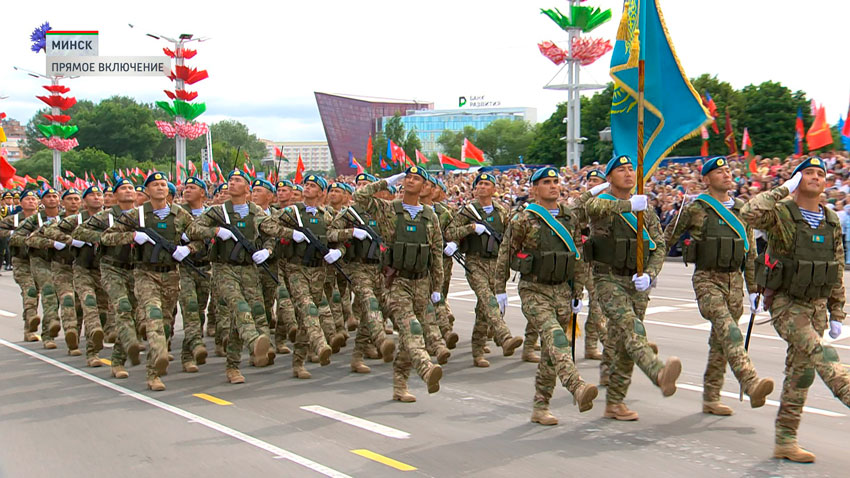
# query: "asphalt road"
{"points": [[59, 418]]}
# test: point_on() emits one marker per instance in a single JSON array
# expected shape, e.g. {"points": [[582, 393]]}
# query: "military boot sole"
{"points": [[585, 396], [432, 378], [325, 355], [511, 345], [200, 355], [54, 329], [32, 325], [133, 353], [387, 350], [161, 366], [762, 389], [668, 375], [261, 351], [97, 340], [793, 453], [72, 340], [443, 356], [451, 340]]}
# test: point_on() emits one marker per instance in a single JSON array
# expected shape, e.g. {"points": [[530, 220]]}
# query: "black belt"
{"points": [[202, 264], [533, 278]]}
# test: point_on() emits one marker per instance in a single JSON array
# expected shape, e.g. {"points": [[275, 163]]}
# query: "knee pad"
{"points": [[48, 289], [323, 302], [373, 304], [430, 308], [32, 292], [639, 328], [336, 297], [829, 354], [242, 307], [155, 313], [735, 334], [68, 301], [806, 379], [258, 309], [559, 338], [282, 293], [124, 305], [90, 300], [312, 310], [415, 327]]}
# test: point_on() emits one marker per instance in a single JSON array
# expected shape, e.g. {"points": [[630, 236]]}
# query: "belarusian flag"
{"points": [[470, 154], [451, 163], [421, 157], [704, 149], [747, 148]]}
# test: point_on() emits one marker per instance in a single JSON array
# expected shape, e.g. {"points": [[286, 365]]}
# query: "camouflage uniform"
{"points": [[595, 327], [481, 274], [408, 294], [61, 266], [799, 313], [445, 317], [193, 299], [236, 282], [41, 255], [624, 306], [719, 296], [545, 304], [22, 273]]}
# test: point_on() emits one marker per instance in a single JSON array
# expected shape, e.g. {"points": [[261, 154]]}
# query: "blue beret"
{"points": [[392, 189], [442, 186], [262, 183], [155, 176], [365, 177], [91, 189], [109, 189], [617, 162], [299, 187], [70, 191], [122, 182], [594, 173], [810, 163], [714, 163], [141, 189], [197, 182], [172, 189], [347, 188], [484, 177], [418, 171], [221, 187], [547, 172], [48, 191], [239, 174], [317, 180], [29, 193]]}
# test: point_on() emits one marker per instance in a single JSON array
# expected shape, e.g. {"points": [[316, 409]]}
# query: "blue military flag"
{"points": [[673, 111]]}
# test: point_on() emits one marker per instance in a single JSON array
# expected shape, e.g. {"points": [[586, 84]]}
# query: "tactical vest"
{"points": [[164, 227], [618, 250], [21, 252], [116, 254], [81, 256], [295, 252], [66, 255], [358, 249], [47, 253], [720, 249], [551, 262], [481, 245], [201, 257], [811, 272], [222, 251], [410, 253]]}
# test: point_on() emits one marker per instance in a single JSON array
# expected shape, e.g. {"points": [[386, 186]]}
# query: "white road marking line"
{"points": [[452, 295], [6, 313], [356, 422], [279, 453], [772, 403], [660, 309]]}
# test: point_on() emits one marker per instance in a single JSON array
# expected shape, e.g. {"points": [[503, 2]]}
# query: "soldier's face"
{"points": [[94, 200], [312, 191], [29, 203], [141, 198], [297, 196], [158, 189], [126, 193], [192, 193], [336, 196], [284, 195], [262, 196], [237, 186], [50, 200], [720, 179], [71, 203], [413, 184], [813, 182], [594, 181], [547, 189], [362, 183], [622, 177], [108, 199], [484, 189]]}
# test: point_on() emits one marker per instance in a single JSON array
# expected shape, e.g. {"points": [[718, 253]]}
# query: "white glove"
{"points": [[298, 236], [77, 244], [435, 297], [141, 238], [260, 256], [480, 229], [186, 238], [332, 256], [834, 329], [753, 307], [360, 234], [638, 202], [59, 245], [180, 253], [502, 299], [395, 179], [641, 282], [450, 249], [224, 234], [792, 183], [577, 306], [595, 190]]}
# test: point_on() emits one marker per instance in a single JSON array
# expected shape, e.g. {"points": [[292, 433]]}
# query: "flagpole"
{"points": [[639, 176]]}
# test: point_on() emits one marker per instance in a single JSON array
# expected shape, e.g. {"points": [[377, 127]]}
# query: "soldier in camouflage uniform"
{"points": [[801, 273], [109, 197], [41, 255], [155, 274], [413, 264], [365, 272], [305, 268], [85, 272], [445, 317], [286, 326], [613, 250], [720, 254], [339, 196], [194, 288], [538, 244], [330, 308], [481, 250], [235, 275], [21, 270]]}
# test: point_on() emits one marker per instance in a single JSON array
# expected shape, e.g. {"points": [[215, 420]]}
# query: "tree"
{"points": [[547, 147], [411, 144], [595, 117], [770, 112], [450, 142], [394, 129], [236, 135], [505, 140]]}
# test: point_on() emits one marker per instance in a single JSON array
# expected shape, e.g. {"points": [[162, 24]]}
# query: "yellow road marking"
{"points": [[106, 361], [384, 460], [210, 398]]}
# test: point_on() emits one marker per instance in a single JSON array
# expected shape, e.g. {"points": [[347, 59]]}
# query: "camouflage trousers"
{"points": [[345, 291], [242, 316], [482, 280], [366, 279], [307, 291], [445, 317], [720, 296], [330, 307], [434, 339], [801, 324], [194, 291], [22, 272], [624, 307], [595, 328], [269, 289], [120, 287], [69, 308], [157, 294], [547, 308], [408, 300], [285, 310], [93, 301], [43, 275]]}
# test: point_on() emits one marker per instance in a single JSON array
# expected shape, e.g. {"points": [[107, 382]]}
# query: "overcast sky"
{"points": [[266, 59]]}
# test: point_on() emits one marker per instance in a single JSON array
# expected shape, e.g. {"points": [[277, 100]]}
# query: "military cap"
{"points": [[70, 191], [365, 177], [594, 173], [89, 190], [8, 194], [714, 163], [109, 189], [155, 176], [317, 180], [47, 191], [197, 182], [814, 162], [122, 182], [617, 162], [172, 189], [547, 172], [284, 183], [29, 193], [262, 183], [299, 187], [418, 171], [141, 189], [240, 174], [484, 177], [221, 187]]}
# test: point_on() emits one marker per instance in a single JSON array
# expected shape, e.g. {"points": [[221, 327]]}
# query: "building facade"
{"points": [[315, 155], [16, 134]]}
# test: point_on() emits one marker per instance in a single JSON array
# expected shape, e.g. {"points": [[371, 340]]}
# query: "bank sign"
{"points": [[477, 101], [71, 43]]}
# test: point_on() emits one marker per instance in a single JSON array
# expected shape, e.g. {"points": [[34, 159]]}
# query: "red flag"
{"points": [[746, 144], [421, 157], [42, 179], [30, 180], [369, 152], [192, 169], [299, 170], [384, 164], [819, 134], [213, 176], [399, 155], [69, 174], [470, 154], [7, 173], [730, 136], [451, 163], [712, 109], [846, 130], [704, 149], [357, 165]]}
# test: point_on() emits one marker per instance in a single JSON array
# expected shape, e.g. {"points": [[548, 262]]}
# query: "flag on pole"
{"points": [[730, 136], [369, 152], [799, 134], [193, 171], [704, 150], [352, 162], [398, 154], [819, 134], [673, 109], [470, 154], [421, 157], [384, 165], [299, 170], [845, 131], [69, 174], [451, 163], [30, 180], [747, 144], [712, 110], [845, 139], [7, 173]]}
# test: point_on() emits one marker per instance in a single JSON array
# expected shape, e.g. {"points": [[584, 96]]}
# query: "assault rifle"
{"points": [[160, 244], [315, 245], [242, 243]]}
